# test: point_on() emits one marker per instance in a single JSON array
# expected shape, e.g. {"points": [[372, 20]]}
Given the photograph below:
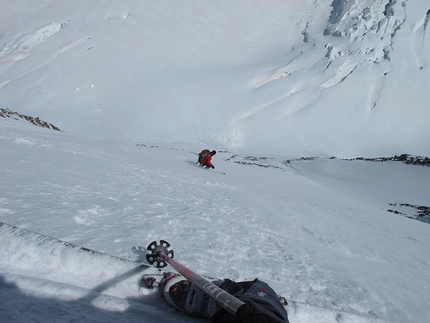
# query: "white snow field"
{"points": [[138, 88]]}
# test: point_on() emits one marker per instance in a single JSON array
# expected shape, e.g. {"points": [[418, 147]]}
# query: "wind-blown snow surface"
{"points": [[326, 243], [265, 78], [344, 78]]}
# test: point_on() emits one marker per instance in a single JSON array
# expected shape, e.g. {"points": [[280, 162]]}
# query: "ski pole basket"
{"points": [[155, 251]]}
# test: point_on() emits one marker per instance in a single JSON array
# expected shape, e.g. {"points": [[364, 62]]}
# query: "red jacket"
{"points": [[207, 161]]}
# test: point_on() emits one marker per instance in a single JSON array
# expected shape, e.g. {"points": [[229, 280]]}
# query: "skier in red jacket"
{"points": [[205, 158]]}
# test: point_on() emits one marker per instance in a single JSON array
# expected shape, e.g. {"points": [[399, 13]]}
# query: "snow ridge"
{"points": [[6, 113], [46, 241], [24, 46]]}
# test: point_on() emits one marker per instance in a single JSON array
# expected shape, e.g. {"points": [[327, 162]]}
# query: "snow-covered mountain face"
{"points": [[136, 88], [342, 78]]}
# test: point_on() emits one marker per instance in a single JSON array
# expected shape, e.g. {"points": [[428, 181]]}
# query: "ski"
{"points": [[216, 171]]}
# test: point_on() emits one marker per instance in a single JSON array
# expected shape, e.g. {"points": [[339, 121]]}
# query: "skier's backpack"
{"points": [[263, 304], [203, 154]]}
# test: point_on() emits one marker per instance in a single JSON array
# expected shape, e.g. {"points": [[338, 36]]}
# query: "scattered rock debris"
{"points": [[421, 212]]}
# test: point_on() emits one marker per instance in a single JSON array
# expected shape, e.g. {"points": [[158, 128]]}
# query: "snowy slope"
{"points": [[333, 250], [326, 77], [74, 284], [139, 87]]}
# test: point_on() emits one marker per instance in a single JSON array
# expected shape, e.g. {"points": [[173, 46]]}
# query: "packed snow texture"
{"points": [[344, 78], [138, 88]]}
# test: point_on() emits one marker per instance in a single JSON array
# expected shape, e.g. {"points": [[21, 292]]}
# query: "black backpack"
{"points": [[262, 304]]}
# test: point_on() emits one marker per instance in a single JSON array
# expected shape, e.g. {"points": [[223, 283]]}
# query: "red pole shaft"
{"points": [[226, 300]]}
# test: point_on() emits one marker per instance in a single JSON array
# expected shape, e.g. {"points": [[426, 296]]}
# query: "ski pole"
{"points": [[161, 256]]}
